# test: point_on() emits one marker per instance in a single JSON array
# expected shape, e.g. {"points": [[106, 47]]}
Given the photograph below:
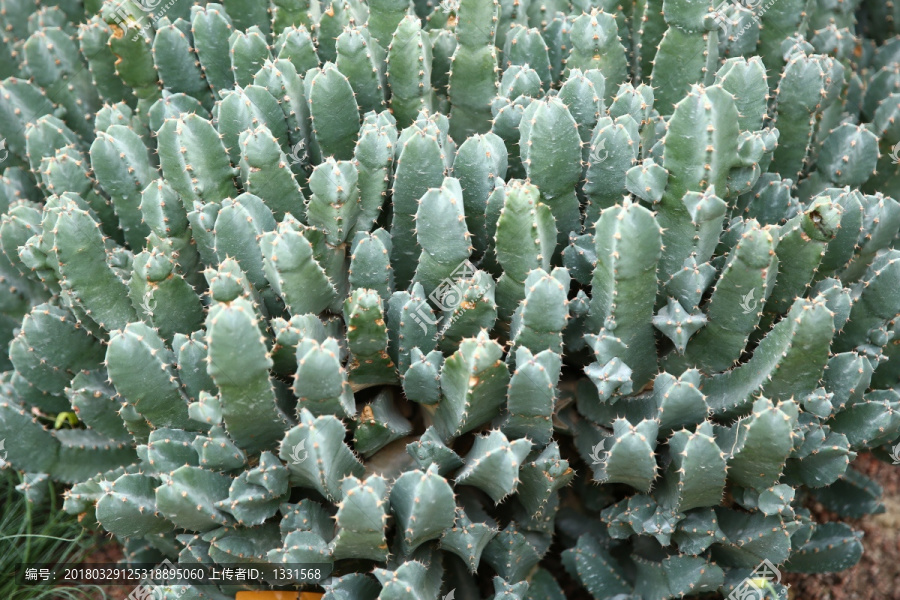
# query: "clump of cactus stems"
{"points": [[442, 295]]}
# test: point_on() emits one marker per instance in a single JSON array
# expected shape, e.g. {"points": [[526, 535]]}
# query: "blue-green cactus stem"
{"points": [[84, 268], [361, 519], [480, 161], [121, 164], [333, 110], [374, 159], [699, 167], [93, 40], [409, 71], [531, 396], [551, 152], [174, 305], [628, 246], [165, 214], [367, 337], [292, 270], [265, 173], [789, 360], [801, 245], [445, 241], [211, 29], [476, 309], [248, 51], [154, 392], [361, 60], [281, 78], [734, 307], [473, 72], [246, 108], [524, 46], [472, 380], [493, 464], [419, 521], [131, 41], [296, 45], [54, 62], [797, 103], [596, 45], [540, 319], [420, 166], [334, 204], [874, 301], [49, 348], [176, 61], [241, 372], [194, 160], [687, 54]]}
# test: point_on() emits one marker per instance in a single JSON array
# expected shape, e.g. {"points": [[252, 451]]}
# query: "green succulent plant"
{"points": [[441, 295]]}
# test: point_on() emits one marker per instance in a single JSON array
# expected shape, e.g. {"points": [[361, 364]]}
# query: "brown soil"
{"points": [[109, 553]]}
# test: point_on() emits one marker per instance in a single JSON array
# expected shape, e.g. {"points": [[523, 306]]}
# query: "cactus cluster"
{"points": [[446, 295]]}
